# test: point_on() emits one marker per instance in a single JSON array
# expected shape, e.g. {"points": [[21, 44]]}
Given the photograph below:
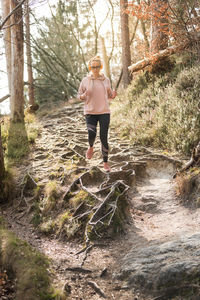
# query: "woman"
{"points": [[95, 91]]}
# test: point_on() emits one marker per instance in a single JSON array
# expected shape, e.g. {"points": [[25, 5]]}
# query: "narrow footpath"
{"points": [[157, 257]]}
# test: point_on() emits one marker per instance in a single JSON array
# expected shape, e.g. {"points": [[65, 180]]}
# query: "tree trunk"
{"points": [[5, 5], [29, 58], [2, 169], [17, 66], [159, 26], [105, 58], [144, 35], [126, 53]]}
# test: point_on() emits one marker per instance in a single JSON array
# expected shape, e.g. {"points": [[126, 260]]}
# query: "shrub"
{"points": [[161, 111]]}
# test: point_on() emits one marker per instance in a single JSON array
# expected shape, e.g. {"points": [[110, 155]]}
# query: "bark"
{"points": [[10, 14], [5, 5], [159, 26], [132, 38], [126, 53], [29, 58], [17, 65], [105, 58], [145, 35], [2, 169]]}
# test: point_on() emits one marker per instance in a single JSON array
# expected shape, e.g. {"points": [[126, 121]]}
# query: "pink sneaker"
{"points": [[106, 167], [89, 153]]}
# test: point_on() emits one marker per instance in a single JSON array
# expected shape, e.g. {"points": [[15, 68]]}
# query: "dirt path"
{"points": [[163, 217], [155, 211]]}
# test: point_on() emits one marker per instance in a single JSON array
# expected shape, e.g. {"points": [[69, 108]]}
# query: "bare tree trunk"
{"points": [[145, 35], [2, 169], [5, 5], [105, 58], [159, 26], [17, 81], [29, 58], [126, 53]]}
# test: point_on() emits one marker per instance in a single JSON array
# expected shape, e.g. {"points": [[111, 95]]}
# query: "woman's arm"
{"points": [[111, 93], [81, 92]]}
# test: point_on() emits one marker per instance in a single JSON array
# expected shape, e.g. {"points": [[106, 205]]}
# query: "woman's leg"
{"points": [[91, 121], [104, 121]]}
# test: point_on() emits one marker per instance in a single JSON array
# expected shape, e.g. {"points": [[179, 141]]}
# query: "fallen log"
{"points": [[162, 54]]}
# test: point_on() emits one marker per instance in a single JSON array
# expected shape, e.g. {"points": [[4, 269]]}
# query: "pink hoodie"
{"points": [[95, 92]]}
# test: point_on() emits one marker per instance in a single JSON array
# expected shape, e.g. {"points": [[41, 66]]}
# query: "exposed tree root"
{"points": [[97, 289], [101, 211], [194, 160]]}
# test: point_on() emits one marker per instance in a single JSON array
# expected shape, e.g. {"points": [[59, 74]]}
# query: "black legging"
{"points": [[104, 121]]}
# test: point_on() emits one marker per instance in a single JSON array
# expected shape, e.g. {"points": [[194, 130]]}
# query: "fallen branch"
{"points": [[162, 54], [78, 269], [97, 289]]}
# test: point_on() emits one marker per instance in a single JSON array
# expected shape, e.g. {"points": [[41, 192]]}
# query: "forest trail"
{"points": [[157, 218]]}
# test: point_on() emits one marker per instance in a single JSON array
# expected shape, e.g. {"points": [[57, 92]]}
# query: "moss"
{"points": [[81, 196], [64, 218], [51, 195], [28, 265], [67, 225], [17, 143], [37, 218], [47, 227]]}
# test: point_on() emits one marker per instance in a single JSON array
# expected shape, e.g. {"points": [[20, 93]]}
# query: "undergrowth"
{"points": [[28, 266], [161, 111], [17, 137]]}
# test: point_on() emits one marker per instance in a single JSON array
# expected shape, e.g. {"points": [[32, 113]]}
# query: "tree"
{"points": [[126, 53], [17, 64], [173, 23], [5, 5], [13, 20], [61, 53], [105, 58], [159, 25], [2, 169], [31, 97]]}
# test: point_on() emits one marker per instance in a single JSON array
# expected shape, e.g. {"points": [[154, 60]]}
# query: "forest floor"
{"points": [[156, 214]]}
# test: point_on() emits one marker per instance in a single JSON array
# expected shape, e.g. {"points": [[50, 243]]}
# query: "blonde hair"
{"points": [[95, 58]]}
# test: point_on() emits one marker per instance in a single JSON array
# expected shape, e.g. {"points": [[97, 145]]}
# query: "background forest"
{"points": [[150, 51]]}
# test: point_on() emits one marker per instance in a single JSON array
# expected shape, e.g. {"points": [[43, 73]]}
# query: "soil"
{"points": [[155, 211]]}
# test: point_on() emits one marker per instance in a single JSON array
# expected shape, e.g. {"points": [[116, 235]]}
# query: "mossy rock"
{"points": [[28, 266]]}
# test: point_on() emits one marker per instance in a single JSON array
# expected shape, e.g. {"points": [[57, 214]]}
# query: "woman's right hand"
{"points": [[86, 94]]}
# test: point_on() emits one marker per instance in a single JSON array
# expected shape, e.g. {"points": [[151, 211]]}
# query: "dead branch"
{"points": [[4, 98], [79, 270], [162, 54], [11, 13], [97, 289], [194, 160]]}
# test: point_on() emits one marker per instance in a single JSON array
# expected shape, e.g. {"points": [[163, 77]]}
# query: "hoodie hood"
{"points": [[100, 77]]}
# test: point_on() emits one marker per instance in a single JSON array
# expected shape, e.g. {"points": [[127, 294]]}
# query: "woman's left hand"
{"points": [[114, 94]]}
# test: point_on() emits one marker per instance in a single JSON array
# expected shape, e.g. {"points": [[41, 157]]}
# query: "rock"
{"points": [[158, 266]]}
